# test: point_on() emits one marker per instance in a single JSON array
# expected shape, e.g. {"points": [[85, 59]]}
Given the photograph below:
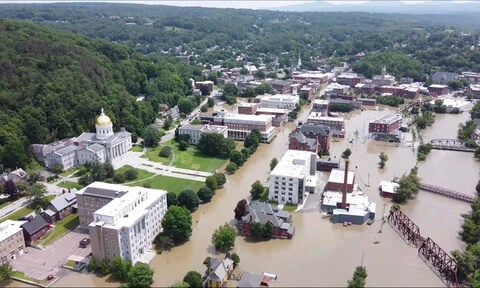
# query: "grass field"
{"points": [[69, 171], [136, 148], [171, 184], [61, 227], [23, 211], [71, 185], [142, 174], [290, 207], [21, 275], [152, 155], [189, 159]]}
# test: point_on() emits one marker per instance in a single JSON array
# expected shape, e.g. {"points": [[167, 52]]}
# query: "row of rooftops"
{"points": [[387, 119]]}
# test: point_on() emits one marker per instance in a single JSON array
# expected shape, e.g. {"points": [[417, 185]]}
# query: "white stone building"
{"points": [[196, 131], [281, 101], [128, 224], [104, 145], [293, 177]]}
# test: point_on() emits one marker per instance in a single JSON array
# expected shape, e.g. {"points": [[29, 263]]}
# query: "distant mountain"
{"points": [[393, 6]]}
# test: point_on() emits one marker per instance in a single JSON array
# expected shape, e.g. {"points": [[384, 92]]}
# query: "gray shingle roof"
{"points": [[314, 129], [250, 280], [35, 225], [66, 150], [61, 202]]}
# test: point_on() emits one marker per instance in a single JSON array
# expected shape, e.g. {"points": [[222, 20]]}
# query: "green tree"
{"points": [[131, 174], [167, 123], [37, 196], [205, 194], [92, 265], [118, 178], [211, 182], [257, 190], [224, 238], [237, 157], [109, 171], [180, 285], [189, 199], [214, 144], [177, 224], [273, 163], [221, 179], [253, 140], [193, 279], [120, 268], [185, 105], [165, 152], [5, 272], [346, 154], [104, 268], [140, 276], [231, 168], [236, 259], [383, 159], [359, 276], [256, 230], [267, 231], [57, 169], [151, 136], [408, 187], [241, 209], [171, 199]]}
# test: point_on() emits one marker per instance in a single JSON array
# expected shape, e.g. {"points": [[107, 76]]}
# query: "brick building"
{"points": [[298, 141], [437, 89], [336, 180], [350, 79], [386, 124], [319, 132]]}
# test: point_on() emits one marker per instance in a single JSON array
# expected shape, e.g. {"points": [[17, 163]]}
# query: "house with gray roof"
{"points": [[218, 272], [319, 132], [443, 78], [248, 280], [34, 229], [298, 141], [263, 213], [61, 206], [15, 176]]}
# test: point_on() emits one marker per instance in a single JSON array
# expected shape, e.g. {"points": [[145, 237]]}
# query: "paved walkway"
{"points": [[133, 159]]}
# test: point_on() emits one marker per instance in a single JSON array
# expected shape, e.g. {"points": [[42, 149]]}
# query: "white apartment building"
{"points": [[240, 125], [281, 101], [128, 225], [196, 131], [293, 177]]}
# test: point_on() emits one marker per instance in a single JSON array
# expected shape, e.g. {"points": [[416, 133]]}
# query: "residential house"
{"points": [[444, 77], [263, 213], [61, 207], [218, 272], [298, 141], [319, 132], [16, 176], [251, 280], [34, 229], [12, 243]]}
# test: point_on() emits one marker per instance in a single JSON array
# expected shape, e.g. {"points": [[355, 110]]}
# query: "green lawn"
{"points": [[152, 155], [69, 171], [61, 227], [20, 274], [70, 185], [171, 184], [22, 212], [142, 174], [290, 207], [70, 263], [192, 159], [136, 148]]}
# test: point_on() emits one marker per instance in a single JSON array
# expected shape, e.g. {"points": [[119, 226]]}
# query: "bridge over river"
{"points": [[450, 144]]}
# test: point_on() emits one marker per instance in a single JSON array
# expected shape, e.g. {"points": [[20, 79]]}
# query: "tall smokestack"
{"points": [[345, 185]]}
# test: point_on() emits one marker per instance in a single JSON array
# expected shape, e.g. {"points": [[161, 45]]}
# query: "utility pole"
{"points": [[383, 218]]}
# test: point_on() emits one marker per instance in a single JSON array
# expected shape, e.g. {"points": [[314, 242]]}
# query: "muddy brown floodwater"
{"points": [[322, 253]]}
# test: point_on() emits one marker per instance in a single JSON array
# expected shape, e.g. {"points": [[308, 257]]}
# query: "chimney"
{"points": [[345, 185]]}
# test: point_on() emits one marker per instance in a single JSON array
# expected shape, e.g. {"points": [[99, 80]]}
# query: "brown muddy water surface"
{"points": [[322, 253]]}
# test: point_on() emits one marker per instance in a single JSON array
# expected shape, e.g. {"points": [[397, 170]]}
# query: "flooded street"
{"points": [[322, 253]]}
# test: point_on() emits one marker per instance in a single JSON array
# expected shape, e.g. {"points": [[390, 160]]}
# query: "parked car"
{"points": [[84, 242]]}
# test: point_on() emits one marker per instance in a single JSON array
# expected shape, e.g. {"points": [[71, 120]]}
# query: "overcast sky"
{"points": [[259, 4]]}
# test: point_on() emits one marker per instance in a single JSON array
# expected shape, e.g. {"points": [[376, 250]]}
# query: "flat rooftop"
{"points": [[318, 116], [337, 176], [294, 163], [272, 110], [389, 187], [204, 128], [356, 200], [387, 119], [9, 228]]}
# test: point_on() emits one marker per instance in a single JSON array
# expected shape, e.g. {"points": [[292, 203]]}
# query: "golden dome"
{"points": [[103, 120]]}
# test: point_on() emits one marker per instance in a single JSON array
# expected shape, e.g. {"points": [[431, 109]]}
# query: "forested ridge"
{"points": [[217, 36], [53, 85]]}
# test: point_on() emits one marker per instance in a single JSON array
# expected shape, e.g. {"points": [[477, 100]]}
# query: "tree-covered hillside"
{"points": [[53, 85], [218, 36]]}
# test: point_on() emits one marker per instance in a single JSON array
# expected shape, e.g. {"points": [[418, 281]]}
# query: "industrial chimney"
{"points": [[345, 185]]}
